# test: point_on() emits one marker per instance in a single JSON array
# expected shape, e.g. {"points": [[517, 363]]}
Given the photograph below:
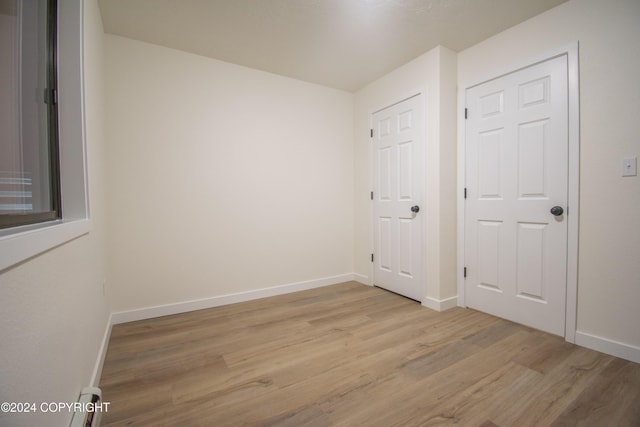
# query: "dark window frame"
{"points": [[22, 219]]}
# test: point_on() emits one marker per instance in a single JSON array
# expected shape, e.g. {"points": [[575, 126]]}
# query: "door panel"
{"points": [[489, 152], [516, 171], [398, 169]]}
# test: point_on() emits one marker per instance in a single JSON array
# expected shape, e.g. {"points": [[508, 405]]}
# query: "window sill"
{"points": [[19, 247]]}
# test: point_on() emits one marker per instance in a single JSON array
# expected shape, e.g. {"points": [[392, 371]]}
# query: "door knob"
{"points": [[556, 211], [415, 209]]}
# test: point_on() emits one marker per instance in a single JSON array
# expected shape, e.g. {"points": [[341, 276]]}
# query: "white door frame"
{"points": [[402, 96], [573, 206]]}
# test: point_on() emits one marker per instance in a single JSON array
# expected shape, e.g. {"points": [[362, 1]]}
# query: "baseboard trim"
{"points": [[361, 278], [604, 345], [440, 304], [199, 304], [102, 353]]}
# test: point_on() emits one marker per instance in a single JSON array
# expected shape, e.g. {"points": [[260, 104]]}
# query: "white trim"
{"points": [[605, 345], [362, 279], [102, 353], [370, 204], [71, 111], [199, 304], [16, 248], [462, 161], [440, 304], [573, 205], [571, 51]]}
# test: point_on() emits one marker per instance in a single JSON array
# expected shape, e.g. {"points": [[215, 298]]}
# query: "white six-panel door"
{"points": [[398, 186], [516, 172]]}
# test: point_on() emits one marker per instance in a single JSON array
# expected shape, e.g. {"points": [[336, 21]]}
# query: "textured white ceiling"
{"points": [[343, 44]]}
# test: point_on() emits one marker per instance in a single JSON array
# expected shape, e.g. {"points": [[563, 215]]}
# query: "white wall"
{"points": [[608, 33], [52, 311], [433, 73], [222, 179]]}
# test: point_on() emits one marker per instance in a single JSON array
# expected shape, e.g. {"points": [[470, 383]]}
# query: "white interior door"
{"points": [[398, 194], [516, 187]]}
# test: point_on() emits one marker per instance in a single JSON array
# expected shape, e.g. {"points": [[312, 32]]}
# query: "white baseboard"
{"points": [[440, 304], [605, 345], [361, 278], [199, 304], [97, 370]]}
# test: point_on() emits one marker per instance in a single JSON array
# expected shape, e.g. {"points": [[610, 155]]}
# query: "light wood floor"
{"points": [[353, 355]]}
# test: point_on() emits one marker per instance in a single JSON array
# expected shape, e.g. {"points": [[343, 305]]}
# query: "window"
{"points": [[29, 159], [21, 242]]}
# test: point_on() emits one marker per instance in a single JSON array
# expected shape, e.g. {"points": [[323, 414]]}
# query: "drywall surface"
{"points": [[52, 309], [422, 75], [449, 198], [609, 236], [222, 179]]}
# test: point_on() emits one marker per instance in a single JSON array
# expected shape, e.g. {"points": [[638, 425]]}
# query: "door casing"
{"points": [[571, 51]]}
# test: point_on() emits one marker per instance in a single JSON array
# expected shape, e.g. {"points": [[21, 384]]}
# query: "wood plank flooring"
{"points": [[353, 355]]}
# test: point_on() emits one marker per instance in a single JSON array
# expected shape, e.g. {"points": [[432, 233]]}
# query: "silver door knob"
{"points": [[415, 209]]}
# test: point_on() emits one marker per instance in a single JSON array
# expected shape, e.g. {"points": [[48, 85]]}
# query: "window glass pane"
{"points": [[25, 148]]}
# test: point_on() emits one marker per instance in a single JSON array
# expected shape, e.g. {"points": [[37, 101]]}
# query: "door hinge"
{"points": [[465, 193], [466, 113], [371, 133], [371, 257], [465, 272], [372, 195]]}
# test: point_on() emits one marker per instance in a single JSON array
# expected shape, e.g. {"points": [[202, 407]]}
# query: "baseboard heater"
{"points": [[90, 405]]}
